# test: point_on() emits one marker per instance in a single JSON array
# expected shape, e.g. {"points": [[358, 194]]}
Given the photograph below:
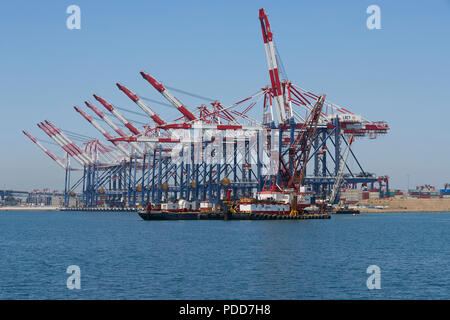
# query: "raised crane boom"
{"points": [[60, 133], [169, 96], [66, 147], [105, 118], [117, 114], [102, 130], [141, 105], [120, 117], [58, 161], [283, 113], [301, 147]]}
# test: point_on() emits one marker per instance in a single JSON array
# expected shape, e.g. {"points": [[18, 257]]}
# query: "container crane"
{"points": [[283, 112], [102, 131], [116, 128], [169, 96], [152, 114], [58, 161]]}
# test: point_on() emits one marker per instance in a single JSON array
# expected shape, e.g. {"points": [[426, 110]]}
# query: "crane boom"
{"points": [[66, 147], [58, 161], [301, 146], [102, 131], [152, 114], [105, 118], [169, 96], [64, 137], [283, 113], [121, 118]]}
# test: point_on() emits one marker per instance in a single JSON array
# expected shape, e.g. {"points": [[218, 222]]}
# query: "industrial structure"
{"points": [[215, 151]]}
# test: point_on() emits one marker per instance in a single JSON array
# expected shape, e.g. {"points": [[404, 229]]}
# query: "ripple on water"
{"points": [[123, 257]]}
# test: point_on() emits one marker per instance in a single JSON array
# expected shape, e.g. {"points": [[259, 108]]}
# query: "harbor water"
{"points": [[120, 256]]}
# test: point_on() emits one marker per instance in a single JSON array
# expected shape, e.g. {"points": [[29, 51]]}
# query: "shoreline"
{"points": [[406, 205], [393, 210], [389, 205], [45, 208]]}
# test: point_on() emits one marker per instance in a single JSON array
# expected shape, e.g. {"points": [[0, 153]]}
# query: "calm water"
{"points": [[124, 257]]}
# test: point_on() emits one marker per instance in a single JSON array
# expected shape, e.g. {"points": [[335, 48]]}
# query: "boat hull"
{"points": [[158, 215]]}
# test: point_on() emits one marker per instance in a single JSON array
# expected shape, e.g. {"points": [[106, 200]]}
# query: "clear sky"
{"points": [[399, 74]]}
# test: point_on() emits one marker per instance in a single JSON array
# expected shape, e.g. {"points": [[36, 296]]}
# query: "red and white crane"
{"points": [[117, 114], [66, 147], [116, 128], [60, 133], [283, 111], [121, 118], [288, 100], [58, 161], [169, 96], [152, 114], [94, 148], [102, 131]]}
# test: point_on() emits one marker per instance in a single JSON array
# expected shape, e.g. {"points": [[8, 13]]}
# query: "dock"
{"points": [[97, 209]]}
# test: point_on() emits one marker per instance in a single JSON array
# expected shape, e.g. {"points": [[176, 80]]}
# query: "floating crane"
{"points": [[283, 113], [300, 149]]}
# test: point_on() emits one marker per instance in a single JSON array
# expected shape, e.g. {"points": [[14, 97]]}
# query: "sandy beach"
{"points": [[407, 205]]}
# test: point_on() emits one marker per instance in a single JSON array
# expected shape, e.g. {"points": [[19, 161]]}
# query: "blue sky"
{"points": [[399, 74]]}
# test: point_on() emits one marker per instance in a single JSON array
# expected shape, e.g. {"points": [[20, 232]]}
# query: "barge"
{"points": [[160, 215], [266, 206]]}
